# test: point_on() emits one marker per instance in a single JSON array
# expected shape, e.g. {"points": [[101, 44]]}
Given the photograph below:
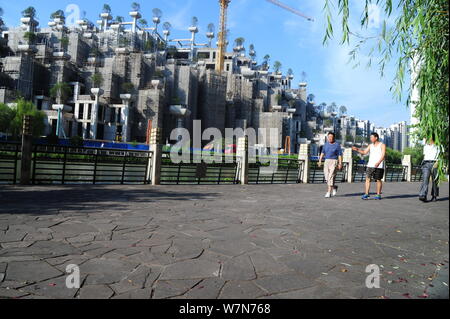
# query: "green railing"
{"points": [[281, 171], [393, 172], [317, 175], [10, 155], [224, 171]]}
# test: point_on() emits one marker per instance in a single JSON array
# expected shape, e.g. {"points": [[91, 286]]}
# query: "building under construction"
{"points": [[125, 78]]}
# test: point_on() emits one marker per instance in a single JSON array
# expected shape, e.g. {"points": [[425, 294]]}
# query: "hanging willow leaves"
{"points": [[418, 39]]}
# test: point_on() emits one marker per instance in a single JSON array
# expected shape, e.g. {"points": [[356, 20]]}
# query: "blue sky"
{"points": [[294, 41]]}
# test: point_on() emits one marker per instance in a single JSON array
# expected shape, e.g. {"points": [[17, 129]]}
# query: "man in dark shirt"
{"points": [[332, 152]]}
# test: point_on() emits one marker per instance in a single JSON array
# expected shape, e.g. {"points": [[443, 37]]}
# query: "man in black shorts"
{"points": [[375, 167]]}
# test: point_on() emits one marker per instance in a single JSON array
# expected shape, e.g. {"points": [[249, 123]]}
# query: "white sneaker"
{"points": [[334, 192], [327, 195]]}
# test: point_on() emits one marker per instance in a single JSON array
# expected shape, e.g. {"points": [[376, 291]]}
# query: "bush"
{"points": [[52, 139], [393, 156], [76, 141], [416, 154]]}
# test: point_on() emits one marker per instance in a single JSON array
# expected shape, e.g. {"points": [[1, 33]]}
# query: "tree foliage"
{"points": [[61, 92], [417, 42], [97, 80], [29, 12], [157, 13], [59, 14], [11, 118], [416, 154], [106, 8], [277, 66]]}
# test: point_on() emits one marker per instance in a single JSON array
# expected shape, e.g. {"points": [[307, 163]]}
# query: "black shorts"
{"points": [[376, 174]]}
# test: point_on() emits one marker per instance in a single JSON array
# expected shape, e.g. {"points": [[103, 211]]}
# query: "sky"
{"points": [[290, 39]]}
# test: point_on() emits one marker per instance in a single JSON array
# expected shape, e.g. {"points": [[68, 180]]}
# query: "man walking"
{"points": [[429, 168], [375, 166], [333, 161]]}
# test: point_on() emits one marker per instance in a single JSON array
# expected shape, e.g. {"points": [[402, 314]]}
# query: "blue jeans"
{"points": [[427, 171]]}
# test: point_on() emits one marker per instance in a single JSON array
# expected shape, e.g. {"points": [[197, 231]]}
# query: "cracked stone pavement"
{"points": [[243, 242]]}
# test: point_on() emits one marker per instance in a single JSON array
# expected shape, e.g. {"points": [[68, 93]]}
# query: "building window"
{"points": [[80, 111], [70, 129], [100, 113], [112, 113], [39, 104], [89, 111], [80, 129], [88, 131], [119, 115], [203, 55]]}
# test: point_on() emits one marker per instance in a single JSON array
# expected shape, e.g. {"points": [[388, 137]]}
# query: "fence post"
{"points": [[348, 158], [242, 150], [406, 161], [27, 143], [156, 147], [303, 155]]}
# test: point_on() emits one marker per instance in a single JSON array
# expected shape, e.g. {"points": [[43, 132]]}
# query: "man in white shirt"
{"points": [[375, 166], [429, 169]]}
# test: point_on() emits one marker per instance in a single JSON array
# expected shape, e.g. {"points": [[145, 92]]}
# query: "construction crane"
{"points": [[222, 37], [223, 27], [282, 5]]}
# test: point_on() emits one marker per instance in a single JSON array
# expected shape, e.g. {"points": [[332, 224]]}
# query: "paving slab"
{"points": [[222, 241]]}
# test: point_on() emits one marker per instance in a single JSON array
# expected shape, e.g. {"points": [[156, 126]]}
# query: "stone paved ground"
{"points": [[264, 241]]}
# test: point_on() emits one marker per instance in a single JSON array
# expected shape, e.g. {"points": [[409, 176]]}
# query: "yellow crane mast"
{"points": [[222, 38]]}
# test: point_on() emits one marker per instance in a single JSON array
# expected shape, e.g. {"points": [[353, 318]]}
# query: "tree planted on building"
{"points": [[1, 19], [127, 87], [277, 66], [265, 63], [143, 23], [157, 13], [61, 92], [29, 12], [97, 80], [59, 14], [332, 108], [30, 37], [167, 26], [414, 37], [290, 72], [194, 21], [64, 42], [135, 6], [211, 28], [107, 8], [252, 51]]}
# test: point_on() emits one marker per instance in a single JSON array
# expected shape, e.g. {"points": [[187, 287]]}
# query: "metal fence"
{"points": [[216, 173], [10, 155], [317, 175], [416, 174], [393, 172], [85, 165], [73, 165], [287, 171]]}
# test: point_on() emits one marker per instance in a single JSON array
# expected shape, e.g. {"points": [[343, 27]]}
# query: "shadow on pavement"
{"points": [[52, 200]]}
